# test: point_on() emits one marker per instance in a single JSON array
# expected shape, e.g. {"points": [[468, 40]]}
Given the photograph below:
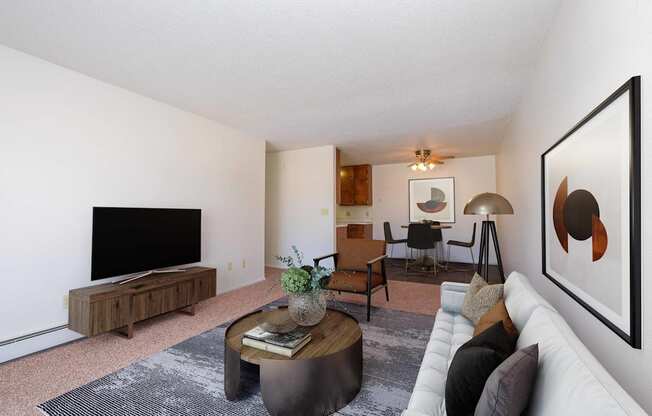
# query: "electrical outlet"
{"points": [[244, 263], [229, 266], [348, 213], [65, 301]]}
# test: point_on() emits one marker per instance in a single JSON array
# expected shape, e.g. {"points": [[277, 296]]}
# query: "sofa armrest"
{"points": [[452, 296]]}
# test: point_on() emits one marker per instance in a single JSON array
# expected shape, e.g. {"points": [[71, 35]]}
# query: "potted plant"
{"points": [[304, 286]]}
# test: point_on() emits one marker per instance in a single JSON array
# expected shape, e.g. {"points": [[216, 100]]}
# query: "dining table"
{"points": [[434, 226]]}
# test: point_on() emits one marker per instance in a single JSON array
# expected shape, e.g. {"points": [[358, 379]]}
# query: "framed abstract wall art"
{"points": [[432, 199], [591, 212]]}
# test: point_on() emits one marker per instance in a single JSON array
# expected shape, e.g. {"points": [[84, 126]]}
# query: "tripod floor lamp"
{"points": [[488, 204]]}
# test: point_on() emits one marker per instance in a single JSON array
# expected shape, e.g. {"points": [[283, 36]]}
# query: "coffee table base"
{"points": [[315, 387]]}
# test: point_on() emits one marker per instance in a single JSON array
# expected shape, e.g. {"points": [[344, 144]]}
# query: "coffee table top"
{"points": [[336, 332]]}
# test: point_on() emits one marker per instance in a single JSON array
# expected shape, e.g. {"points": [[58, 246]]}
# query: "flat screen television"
{"points": [[132, 240]]}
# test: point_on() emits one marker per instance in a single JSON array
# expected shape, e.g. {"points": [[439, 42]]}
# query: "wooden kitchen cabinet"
{"points": [[355, 185], [364, 231], [347, 186], [362, 184]]}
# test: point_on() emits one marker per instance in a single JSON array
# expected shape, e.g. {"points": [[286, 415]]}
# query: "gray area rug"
{"points": [[187, 379]]}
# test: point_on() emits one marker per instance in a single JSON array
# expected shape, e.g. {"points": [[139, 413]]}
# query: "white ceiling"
{"points": [[379, 78]]}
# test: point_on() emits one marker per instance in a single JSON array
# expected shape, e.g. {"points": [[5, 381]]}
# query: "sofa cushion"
{"points": [[450, 331], [521, 299], [480, 297], [565, 385], [496, 314], [508, 389], [472, 365]]}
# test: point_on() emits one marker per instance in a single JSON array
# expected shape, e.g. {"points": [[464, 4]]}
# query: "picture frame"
{"points": [[591, 212], [431, 199]]}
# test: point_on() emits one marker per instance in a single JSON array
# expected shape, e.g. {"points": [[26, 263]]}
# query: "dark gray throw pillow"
{"points": [[507, 390], [472, 364]]}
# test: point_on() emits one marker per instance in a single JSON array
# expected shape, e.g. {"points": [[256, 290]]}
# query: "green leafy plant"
{"points": [[299, 278]]}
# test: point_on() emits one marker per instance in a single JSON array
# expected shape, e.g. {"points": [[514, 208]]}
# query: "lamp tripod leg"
{"points": [[494, 235]]}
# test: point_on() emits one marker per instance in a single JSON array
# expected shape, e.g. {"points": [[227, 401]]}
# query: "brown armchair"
{"points": [[359, 268]]}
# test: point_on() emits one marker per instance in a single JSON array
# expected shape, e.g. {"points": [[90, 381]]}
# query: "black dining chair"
{"points": [[419, 238], [389, 239], [466, 244]]}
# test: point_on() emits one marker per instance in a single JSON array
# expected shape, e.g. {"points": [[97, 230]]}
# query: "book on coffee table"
{"points": [[284, 344]]}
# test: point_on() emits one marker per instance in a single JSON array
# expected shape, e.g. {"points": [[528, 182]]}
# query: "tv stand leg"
{"points": [[189, 310], [126, 331]]}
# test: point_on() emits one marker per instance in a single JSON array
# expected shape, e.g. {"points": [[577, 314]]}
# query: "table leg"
{"points": [[231, 373]]}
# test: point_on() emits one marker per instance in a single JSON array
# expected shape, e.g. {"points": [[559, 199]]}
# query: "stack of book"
{"points": [[284, 344]]}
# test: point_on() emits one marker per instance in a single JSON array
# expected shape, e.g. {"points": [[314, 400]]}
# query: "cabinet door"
{"points": [[108, 314], [206, 287], [347, 186], [362, 181], [355, 231], [369, 231]]}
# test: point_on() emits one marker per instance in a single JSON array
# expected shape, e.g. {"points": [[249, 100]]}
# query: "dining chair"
{"points": [[389, 239], [467, 244], [420, 237]]}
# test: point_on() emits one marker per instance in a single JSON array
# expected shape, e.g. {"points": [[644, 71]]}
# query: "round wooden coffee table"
{"points": [[319, 380]]}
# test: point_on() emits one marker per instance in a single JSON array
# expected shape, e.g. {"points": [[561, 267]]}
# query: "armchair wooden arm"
{"points": [[376, 260], [316, 260]]}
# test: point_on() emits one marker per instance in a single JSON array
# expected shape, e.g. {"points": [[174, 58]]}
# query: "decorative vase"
{"points": [[307, 309]]}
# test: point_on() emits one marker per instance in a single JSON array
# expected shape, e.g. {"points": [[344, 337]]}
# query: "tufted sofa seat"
{"points": [[570, 381]]}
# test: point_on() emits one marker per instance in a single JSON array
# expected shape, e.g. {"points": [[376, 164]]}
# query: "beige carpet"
{"points": [[31, 380]]}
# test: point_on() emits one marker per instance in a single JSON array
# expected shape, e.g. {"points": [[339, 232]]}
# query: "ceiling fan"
{"points": [[424, 160]]}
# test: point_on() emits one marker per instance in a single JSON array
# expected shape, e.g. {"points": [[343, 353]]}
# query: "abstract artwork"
{"points": [[432, 199], [590, 214]]}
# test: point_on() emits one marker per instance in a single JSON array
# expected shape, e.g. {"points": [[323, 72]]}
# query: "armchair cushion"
{"points": [[353, 281], [354, 253]]}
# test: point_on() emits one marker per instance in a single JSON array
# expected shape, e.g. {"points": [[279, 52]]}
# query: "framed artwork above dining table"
{"points": [[432, 199]]}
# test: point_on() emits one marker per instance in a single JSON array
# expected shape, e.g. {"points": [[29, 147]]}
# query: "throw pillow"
{"points": [[507, 390], [479, 298], [496, 314], [472, 365]]}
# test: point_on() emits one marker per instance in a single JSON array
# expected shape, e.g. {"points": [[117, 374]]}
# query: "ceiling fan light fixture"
{"points": [[424, 161]]}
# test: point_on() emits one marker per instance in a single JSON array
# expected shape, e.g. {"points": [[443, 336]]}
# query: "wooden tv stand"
{"points": [[112, 307]]}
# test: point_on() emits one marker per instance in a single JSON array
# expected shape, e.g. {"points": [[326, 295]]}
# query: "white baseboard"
{"points": [[30, 345]]}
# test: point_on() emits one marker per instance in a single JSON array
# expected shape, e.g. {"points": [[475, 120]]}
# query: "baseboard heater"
{"points": [[33, 335]]}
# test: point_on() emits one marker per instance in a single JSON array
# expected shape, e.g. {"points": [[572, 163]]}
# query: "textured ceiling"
{"points": [[378, 78]]}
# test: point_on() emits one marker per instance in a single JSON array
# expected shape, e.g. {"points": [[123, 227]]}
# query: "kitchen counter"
{"points": [[345, 223]]}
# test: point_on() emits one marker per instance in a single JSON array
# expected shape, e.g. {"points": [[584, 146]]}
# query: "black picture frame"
{"points": [[452, 178], [633, 86]]}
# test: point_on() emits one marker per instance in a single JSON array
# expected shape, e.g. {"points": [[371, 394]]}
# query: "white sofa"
{"points": [[570, 381]]}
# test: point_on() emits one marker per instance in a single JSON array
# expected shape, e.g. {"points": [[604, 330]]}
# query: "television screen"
{"points": [[130, 240]]}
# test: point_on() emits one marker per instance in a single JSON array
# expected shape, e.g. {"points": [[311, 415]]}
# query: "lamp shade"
{"points": [[488, 204]]}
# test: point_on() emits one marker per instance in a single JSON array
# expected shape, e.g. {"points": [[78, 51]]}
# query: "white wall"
{"points": [[472, 175], [593, 47], [300, 203], [68, 143]]}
